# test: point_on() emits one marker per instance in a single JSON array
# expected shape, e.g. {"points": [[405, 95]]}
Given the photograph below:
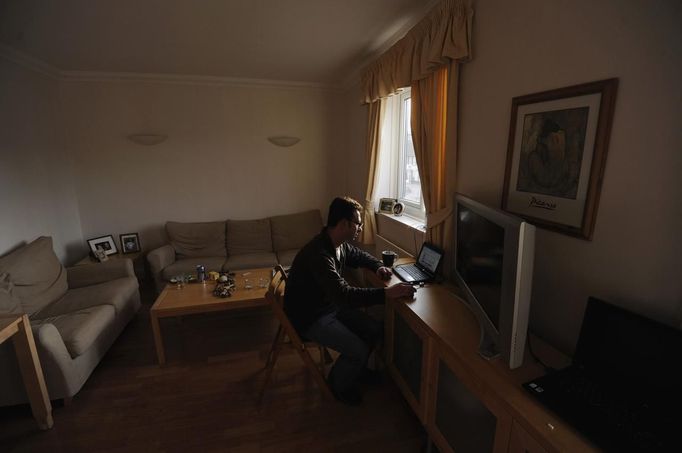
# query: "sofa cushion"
{"points": [[248, 236], [286, 257], [115, 292], [80, 329], [293, 231], [9, 303], [189, 266], [197, 239], [36, 273], [250, 261]]}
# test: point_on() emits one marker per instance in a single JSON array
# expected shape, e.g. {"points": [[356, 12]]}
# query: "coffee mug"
{"points": [[388, 257]]}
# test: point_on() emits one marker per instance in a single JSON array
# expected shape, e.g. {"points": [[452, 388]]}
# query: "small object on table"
{"points": [[225, 286], [201, 273], [388, 257]]}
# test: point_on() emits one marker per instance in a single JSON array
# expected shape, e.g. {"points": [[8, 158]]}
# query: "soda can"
{"points": [[201, 273]]}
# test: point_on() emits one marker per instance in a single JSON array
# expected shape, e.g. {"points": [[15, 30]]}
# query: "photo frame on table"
{"points": [[130, 243], [556, 155], [105, 243]]}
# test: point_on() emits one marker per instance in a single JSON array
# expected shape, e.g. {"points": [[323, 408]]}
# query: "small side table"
{"points": [[18, 329], [136, 257], [116, 256]]}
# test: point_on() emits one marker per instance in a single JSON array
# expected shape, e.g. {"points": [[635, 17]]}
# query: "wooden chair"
{"points": [[288, 337]]}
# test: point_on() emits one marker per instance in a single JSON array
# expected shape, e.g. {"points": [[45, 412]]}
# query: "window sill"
{"points": [[412, 222]]}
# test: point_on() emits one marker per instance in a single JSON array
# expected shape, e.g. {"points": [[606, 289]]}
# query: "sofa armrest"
{"points": [[158, 260], [48, 337], [92, 274]]}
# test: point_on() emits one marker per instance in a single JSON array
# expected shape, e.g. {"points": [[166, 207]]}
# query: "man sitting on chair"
{"points": [[323, 307]]}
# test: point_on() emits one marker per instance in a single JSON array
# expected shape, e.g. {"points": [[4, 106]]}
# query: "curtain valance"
{"points": [[443, 35]]}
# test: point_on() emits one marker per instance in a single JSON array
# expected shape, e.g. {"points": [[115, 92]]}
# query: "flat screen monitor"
{"points": [[494, 268]]}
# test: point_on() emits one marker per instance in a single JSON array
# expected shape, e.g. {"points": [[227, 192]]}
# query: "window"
{"points": [[409, 187], [398, 164]]}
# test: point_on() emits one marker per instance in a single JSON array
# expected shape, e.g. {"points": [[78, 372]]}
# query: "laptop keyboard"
{"points": [[612, 420], [415, 272]]}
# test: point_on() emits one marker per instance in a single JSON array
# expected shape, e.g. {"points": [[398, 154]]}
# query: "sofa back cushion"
{"points": [[36, 275], [248, 236], [197, 239], [293, 231]]}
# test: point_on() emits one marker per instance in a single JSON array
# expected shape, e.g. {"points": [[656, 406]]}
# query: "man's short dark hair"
{"points": [[342, 208]]}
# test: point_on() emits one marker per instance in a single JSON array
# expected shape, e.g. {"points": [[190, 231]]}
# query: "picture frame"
{"points": [[106, 243], [100, 255], [556, 156], [130, 243], [398, 209], [386, 205]]}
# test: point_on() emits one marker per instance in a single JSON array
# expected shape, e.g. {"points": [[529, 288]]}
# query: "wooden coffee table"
{"points": [[196, 298]]}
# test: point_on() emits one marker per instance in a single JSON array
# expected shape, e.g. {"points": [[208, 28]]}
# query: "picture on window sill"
{"points": [[398, 208]]}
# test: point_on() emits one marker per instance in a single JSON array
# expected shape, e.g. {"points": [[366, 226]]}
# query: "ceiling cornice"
{"points": [[384, 43], [29, 62]]}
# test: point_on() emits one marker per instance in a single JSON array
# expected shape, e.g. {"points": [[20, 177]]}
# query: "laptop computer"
{"points": [[623, 388], [424, 270]]}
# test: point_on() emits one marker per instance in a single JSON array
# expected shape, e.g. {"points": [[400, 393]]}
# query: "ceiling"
{"points": [[310, 41]]}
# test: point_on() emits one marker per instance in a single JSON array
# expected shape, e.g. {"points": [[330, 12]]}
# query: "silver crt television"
{"points": [[494, 268]]}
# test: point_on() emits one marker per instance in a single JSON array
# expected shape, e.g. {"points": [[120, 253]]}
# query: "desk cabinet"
{"points": [[408, 353], [466, 403], [465, 417], [522, 442]]}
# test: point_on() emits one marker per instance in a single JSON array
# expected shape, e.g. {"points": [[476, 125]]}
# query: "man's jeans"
{"points": [[353, 334]]}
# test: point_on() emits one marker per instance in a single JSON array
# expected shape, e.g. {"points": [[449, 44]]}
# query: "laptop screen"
{"points": [[429, 258], [617, 343]]}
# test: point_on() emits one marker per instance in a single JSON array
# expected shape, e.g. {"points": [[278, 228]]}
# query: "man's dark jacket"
{"points": [[315, 286]]}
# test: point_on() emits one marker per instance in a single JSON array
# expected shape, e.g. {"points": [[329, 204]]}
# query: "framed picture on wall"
{"points": [[104, 243], [556, 154], [130, 243]]}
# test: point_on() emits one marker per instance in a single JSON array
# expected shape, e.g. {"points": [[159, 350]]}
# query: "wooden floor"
{"points": [[205, 399]]}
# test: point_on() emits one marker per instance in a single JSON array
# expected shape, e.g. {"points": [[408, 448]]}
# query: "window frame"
{"points": [[399, 171]]}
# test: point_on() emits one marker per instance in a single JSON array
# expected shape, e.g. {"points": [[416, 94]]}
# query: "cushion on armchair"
{"points": [[9, 303], [115, 292], [37, 276], [197, 239], [80, 329]]}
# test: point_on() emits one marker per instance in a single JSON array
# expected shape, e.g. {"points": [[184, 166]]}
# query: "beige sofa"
{"points": [[76, 314], [232, 245]]}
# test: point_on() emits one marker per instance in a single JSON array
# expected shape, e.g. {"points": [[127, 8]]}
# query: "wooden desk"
{"points": [[18, 329], [443, 335], [196, 298]]}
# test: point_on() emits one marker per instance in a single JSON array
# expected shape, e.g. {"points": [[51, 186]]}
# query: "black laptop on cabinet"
{"points": [[623, 390]]}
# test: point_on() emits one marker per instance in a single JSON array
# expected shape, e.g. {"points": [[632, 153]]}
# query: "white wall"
{"points": [[217, 162], [37, 196], [529, 46]]}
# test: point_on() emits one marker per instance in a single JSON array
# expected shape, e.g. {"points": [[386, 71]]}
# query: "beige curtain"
{"points": [[374, 116], [444, 35], [428, 122], [421, 59]]}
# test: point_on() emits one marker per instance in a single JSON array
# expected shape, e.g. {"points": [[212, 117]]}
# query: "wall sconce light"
{"points": [[147, 139], [284, 141]]}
